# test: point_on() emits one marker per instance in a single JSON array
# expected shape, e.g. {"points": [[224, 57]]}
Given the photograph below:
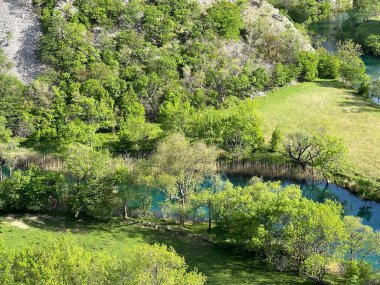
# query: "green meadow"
{"points": [[324, 104]]}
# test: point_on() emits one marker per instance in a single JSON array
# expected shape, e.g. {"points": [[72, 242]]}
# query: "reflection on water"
{"points": [[352, 205], [328, 29], [320, 192]]}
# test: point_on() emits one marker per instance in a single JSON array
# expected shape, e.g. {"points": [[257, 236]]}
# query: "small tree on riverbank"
{"points": [[318, 150], [178, 167]]}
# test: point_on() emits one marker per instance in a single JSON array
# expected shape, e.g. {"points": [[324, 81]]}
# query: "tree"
{"points": [[225, 18], [365, 9], [352, 68], [362, 240], [33, 190], [278, 223], [276, 140], [137, 135], [92, 188], [65, 262], [236, 129], [5, 134], [178, 167], [308, 62], [329, 65], [374, 91], [318, 150]]}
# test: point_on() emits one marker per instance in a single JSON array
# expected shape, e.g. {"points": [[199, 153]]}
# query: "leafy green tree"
{"points": [[5, 134], [276, 140], [316, 266], [365, 9], [236, 129], [178, 167], [174, 112], [352, 68], [225, 18], [328, 66], [362, 240], [308, 62], [92, 188], [290, 231], [65, 262], [283, 74], [33, 190], [12, 94], [137, 135], [318, 150]]}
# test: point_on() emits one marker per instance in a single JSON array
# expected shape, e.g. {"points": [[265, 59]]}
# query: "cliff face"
{"points": [[19, 35], [20, 32], [261, 11], [269, 37]]}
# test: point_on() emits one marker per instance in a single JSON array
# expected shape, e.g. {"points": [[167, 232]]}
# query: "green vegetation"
{"points": [[363, 27], [324, 104], [65, 262], [291, 231], [146, 98], [221, 266]]}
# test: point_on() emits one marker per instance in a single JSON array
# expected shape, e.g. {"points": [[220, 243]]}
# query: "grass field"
{"points": [[323, 104], [221, 266]]}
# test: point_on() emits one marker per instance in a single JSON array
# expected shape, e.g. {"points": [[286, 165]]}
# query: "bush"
{"points": [[328, 66], [65, 262], [284, 74], [356, 271], [308, 63], [225, 18], [276, 140]]}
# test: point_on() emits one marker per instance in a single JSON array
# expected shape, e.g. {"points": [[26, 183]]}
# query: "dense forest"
{"points": [[144, 98]]}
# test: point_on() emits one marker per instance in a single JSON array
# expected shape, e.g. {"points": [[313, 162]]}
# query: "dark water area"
{"points": [[328, 29], [352, 205]]}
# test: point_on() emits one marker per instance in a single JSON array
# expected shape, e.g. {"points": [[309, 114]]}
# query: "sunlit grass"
{"points": [[323, 104]]}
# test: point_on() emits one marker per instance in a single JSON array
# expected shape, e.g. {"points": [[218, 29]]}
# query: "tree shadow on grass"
{"points": [[221, 265], [357, 104], [353, 102]]}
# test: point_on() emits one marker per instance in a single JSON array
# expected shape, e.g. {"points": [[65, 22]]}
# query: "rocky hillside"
{"points": [[19, 33]]}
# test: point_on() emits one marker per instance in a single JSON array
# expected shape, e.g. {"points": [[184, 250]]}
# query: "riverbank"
{"points": [[324, 104]]}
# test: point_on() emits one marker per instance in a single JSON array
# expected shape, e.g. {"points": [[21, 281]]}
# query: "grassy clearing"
{"points": [[221, 266], [323, 104]]}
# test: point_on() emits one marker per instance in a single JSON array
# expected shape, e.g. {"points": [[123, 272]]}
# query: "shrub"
{"points": [[276, 140], [225, 18], [65, 262], [328, 66], [283, 74], [308, 63]]}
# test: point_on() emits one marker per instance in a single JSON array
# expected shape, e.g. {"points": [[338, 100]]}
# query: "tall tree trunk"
{"points": [[126, 210], [209, 216]]}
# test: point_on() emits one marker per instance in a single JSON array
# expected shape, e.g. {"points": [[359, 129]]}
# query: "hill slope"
{"points": [[19, 35]]}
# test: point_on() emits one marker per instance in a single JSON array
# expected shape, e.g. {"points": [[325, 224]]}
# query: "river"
{"points": [[369, 211], [352, 205]]}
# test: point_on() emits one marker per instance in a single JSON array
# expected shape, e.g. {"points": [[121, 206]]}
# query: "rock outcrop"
{"points": [[19, 37]]}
